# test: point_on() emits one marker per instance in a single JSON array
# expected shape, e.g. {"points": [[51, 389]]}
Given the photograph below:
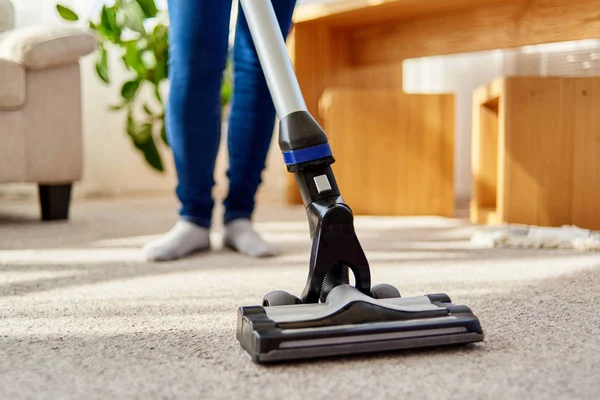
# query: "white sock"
{"points": [[241, 236], [182, 240]]}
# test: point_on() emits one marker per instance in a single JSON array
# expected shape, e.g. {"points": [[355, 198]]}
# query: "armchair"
{"points": [[40, 109]]}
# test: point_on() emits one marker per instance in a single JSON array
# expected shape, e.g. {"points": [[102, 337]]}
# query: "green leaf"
{"points": [[152, 155], [117, 107], [143, 132], [132, 58], [129, 89], [66, 13], [226, 93], [105, 20], [227, 85], [102, 66], [132, 17], [108, 24], [160, 31], [149, 8], [141, 136], [145, 143], [131, 125], [160, 41], [157, 95], [160, 70], [163, 133]]}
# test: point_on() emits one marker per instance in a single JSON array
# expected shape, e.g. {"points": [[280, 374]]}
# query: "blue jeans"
{"points": [[199, 38]]}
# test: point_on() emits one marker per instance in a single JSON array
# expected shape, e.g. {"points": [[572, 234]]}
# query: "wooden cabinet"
{"points": [[536, 152]]}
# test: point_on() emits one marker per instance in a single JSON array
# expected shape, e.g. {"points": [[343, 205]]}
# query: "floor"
{"points": [[81, 315]]}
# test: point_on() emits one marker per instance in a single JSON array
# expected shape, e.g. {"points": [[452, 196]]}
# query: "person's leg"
{"points": [[251, 126], [198, 36]]}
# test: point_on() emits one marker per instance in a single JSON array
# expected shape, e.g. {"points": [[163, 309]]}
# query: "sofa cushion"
{"points": [[12, 85], [40, 47]]}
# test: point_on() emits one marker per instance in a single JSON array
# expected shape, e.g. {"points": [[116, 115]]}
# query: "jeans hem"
{"points": [[201, 222]]}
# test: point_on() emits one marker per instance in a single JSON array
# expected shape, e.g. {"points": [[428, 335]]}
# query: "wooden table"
{"points": [[360, 44]]}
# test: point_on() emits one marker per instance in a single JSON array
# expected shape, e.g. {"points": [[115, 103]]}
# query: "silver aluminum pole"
{"points": [[273, 55]]}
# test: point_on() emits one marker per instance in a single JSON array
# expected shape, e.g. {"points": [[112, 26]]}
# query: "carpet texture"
{"points": [[81, 316]]}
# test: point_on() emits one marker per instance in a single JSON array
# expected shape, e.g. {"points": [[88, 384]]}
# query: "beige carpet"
{"points": [[82, 317]]}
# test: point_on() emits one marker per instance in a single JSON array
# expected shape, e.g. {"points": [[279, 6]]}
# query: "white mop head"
{"points": [[525, 236]]}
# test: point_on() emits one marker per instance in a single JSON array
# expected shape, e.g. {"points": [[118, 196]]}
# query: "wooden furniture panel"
{"points": [[360, 12], [538, 148], [394, 152], [484, 162], [483, 26], [543, 149], [584, 121]]}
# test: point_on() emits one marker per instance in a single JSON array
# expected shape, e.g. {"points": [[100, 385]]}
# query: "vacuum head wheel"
{"points": [[280, 298]]}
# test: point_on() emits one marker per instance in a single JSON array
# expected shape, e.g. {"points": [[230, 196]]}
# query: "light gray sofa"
{"points": [[40, 108]]}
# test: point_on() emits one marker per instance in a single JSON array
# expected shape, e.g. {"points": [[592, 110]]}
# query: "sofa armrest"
{"points": [[12, 85], [41, 47]]}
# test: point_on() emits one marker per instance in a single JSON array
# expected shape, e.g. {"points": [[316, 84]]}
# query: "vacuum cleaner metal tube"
{"points": [[273, 56]]}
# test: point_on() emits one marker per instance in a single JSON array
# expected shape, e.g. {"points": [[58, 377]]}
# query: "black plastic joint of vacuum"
{"points": [[330, 219], [299, 131]]}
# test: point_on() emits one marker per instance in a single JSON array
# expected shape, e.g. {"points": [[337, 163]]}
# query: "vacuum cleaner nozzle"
{"points": [[350, 322]]}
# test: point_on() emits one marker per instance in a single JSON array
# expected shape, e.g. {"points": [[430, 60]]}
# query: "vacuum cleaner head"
{"points": [[331, 317], [350, 322]]}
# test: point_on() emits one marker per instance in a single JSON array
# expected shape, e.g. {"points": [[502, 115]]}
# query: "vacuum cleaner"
{"points": [[331, 317]]}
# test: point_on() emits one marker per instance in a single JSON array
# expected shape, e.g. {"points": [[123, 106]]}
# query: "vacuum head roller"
{"points": [[350, 322], [331, 317]]}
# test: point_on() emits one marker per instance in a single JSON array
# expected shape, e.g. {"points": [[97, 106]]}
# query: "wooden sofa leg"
{"points": [[55, 201]]}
